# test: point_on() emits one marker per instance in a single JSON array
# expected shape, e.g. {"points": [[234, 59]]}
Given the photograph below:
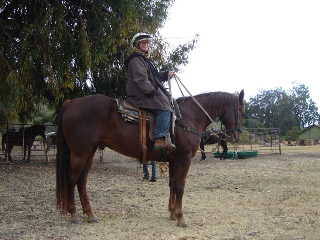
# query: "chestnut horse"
{"points": [[84, 124]]}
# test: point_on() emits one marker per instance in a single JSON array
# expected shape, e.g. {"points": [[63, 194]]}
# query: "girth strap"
{"points": [[189, 129]]}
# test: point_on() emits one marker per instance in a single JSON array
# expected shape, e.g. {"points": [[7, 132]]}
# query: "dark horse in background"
{"points": [[84, 124], [209, 138], [23, 137]]}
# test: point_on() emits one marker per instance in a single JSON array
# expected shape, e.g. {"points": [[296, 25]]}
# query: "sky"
{"points": [[247, 44]]}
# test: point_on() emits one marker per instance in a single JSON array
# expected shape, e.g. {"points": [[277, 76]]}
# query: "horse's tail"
{"points": [[62, 165]]}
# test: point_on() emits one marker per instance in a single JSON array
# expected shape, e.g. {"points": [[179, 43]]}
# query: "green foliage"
{"points": [[56, 50], [43, 117], [292, 108], [293, 135], [251, 123]]}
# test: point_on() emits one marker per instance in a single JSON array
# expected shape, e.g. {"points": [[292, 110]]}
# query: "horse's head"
{"points": [[233, 119]]}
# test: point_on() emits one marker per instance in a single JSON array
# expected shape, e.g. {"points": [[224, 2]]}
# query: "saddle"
{"points": [[144, 118], [131, 113]]}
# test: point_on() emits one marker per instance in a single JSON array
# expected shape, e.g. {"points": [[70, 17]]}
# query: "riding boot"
{"points": [[159, 144]]}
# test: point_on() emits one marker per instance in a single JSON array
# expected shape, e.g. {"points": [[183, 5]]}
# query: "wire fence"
{"points": [[262, 140]]}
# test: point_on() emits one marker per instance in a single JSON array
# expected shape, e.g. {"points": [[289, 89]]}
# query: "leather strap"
{"points": [[143, 134], [168, 147], [189, 129]]}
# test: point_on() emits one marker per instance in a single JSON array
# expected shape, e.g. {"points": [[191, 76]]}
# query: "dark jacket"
{"points": [[142, 88]]}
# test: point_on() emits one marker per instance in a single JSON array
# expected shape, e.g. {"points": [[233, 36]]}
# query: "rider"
{"points": [[144, 87]]}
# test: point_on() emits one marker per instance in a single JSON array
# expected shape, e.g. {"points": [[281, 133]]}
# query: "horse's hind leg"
{"points": [[82, 189], [10, 147], [76, 165]]}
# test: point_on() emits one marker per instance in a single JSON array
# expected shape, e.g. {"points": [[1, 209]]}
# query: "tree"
{"points": [[264, 107], [294, 108], [293, 135], [304, 107], [56, 50]]}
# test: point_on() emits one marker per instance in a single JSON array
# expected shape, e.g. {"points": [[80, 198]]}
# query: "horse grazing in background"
{"points": [[23, 137], [209, 138], [51, 141], [84, 124]]}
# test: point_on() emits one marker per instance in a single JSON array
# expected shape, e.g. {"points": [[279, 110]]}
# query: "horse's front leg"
{"points": [[46, 150], [172, 198], [225, 151], [29, 153], [177, 188], [24, 152], [203, 155]]}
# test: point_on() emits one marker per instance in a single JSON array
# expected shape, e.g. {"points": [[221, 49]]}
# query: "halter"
{"points": [[233, 131]]}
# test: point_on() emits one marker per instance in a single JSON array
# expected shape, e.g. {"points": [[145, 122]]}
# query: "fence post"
{"points": [[279, 132]]}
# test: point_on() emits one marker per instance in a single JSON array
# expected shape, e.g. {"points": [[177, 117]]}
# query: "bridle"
{"points": [[231, 132]]}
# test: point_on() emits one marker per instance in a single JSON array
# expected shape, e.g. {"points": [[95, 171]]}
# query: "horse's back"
{"points": [[90, 103], [89, 118], [89, 110]]}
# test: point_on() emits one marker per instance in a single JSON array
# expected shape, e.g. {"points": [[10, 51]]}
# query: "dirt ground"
{"points": [[266, 197]]}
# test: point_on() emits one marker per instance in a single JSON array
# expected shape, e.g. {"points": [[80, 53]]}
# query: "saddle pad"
{"points": [[131, 113], [127, 108]]}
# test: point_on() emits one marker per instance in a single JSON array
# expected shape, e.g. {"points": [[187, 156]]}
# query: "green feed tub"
{"points": [[247, 154], [230, 155]]}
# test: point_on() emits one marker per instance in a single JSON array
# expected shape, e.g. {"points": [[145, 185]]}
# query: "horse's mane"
{"points": [[214, 98]]}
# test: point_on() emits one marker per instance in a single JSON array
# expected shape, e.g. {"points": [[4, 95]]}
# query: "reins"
{"points": [[195, 100], [219, 136], [199, 105]]}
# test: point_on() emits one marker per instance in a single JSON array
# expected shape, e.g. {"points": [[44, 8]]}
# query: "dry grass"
{"points": [[267, 197]]}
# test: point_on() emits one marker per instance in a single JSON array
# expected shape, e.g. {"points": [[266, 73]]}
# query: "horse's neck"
{"points": [[195, 116], [215, 106]]}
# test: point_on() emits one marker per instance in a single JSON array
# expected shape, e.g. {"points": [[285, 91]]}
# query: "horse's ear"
{"points": [[241, 96]]}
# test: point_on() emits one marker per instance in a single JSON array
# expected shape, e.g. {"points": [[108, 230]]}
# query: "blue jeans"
{"points": [[162, 122], [154, 170]]}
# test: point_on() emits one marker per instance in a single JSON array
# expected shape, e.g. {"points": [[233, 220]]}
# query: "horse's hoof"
{"points": [[182, 223], [76, 221], [94, 220], [172, 216]]}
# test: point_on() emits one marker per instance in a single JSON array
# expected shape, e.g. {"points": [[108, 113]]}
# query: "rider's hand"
{"points": [[171, 73]]}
